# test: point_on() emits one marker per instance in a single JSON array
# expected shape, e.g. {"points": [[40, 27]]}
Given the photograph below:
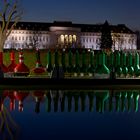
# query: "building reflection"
{"points": [[73, 100]]}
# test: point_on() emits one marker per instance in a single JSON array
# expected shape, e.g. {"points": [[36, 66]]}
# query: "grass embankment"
{"points": [[30, 58]]}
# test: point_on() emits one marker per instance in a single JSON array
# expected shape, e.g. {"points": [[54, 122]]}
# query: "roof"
{"points": [[40, 26]]}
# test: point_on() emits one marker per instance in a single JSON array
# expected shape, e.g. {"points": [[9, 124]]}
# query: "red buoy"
{"points": [[2, 66], [10, 95], [20, 96], [13, 64], [39, 68], [2, 97], [21, 69]]}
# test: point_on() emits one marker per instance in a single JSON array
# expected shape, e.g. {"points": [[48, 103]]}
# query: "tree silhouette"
{"points": [[106, 38], [9, 16]]}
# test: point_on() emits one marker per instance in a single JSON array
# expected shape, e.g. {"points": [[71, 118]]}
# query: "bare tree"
{"points": [[117, 40], [35, 41], [9, 16]]}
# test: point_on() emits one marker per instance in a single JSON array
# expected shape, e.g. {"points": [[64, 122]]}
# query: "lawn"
{"points": [[30, 58]]}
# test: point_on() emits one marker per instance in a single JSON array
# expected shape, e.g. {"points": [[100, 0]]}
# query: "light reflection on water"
{"points": [[50, 114]]}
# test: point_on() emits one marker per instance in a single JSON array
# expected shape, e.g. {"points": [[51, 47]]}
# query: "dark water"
{"points": [[69, 114]]}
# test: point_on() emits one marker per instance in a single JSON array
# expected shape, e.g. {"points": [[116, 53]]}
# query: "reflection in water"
{"points": [[74, 100], [62, 101], [8, 128]]}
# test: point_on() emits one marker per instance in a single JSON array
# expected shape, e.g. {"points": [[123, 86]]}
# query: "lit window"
{"points": [[70, 38], [62, 38], [66, 39], [74, 38]]}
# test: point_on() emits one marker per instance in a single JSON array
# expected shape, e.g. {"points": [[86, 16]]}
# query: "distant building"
{"points": [[68, 34]]}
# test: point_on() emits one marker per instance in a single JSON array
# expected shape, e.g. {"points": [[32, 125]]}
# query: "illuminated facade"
{"points": [[66, 34]]}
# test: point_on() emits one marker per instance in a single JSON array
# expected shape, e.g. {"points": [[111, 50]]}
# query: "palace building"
{"points": [[30, 35]]}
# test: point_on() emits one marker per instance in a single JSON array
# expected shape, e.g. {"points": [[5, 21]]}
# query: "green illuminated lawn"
{"points": [[29, 58]]}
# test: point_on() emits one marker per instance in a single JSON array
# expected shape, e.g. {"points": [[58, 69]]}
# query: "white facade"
{"points": [[27, 39], [71, 35], [91, 40], [120, 41]]}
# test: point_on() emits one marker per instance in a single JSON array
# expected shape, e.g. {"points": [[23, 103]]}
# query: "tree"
{"points": [[138, 39], [106, 38], [9, 16], [118, 40], [34, 41]]}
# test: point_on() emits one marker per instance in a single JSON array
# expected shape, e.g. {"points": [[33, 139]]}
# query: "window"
{"points": [[66, 39], [74, 38], [83, 40], [62, 38], [44, 38], [30, 37], [70, 38], [23, 38]]}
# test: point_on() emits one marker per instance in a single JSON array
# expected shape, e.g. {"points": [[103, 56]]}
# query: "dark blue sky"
{"points": [[84, 11]]}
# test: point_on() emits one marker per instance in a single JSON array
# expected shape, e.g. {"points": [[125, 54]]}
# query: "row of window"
{"points": [[19, 45], [98, 40], [99, 34], [29, 38], [97, 47], [27, 32], [125, 41], [91, 34]]}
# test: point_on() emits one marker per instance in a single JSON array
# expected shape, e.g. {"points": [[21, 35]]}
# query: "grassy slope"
{"points": [[30, 58]]}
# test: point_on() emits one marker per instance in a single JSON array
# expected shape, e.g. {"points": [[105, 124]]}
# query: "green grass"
{"points": [[30, 58]]}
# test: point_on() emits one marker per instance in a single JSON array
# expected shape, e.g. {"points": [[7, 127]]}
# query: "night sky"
{"points": [[83, 11]]}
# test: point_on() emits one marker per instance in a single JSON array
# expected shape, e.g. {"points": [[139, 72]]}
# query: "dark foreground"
{"points": [[46, 83]]}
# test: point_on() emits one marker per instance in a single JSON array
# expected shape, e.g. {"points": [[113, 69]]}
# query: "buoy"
{"points": [[21, 69], [20, 96], [3, 68], [39, 96], [12, 65], [39, 69], [10, 95]]}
